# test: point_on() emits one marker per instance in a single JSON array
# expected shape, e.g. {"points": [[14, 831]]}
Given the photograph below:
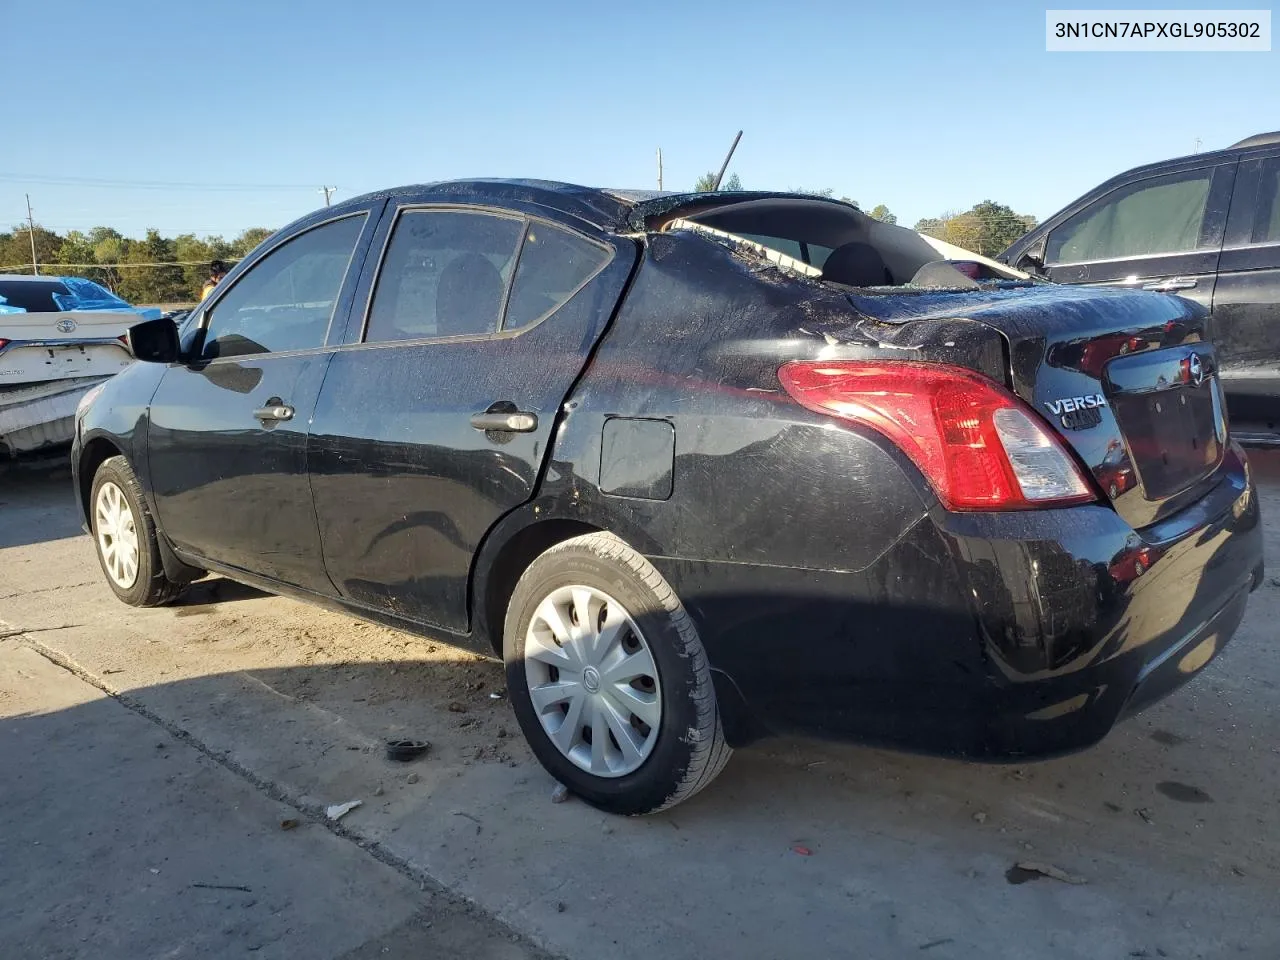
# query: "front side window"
{"points": [[1160, 215], [286, 300], [1266, 227], [554, 265], [445, 274]]}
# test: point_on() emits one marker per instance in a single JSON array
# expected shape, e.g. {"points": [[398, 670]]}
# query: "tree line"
{"points": [[153, 269], [158, 269]]}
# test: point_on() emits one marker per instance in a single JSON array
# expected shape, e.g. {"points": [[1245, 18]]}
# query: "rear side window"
{"points": [[286, 300], [554, 265], [33, 296], [445, 274], [1266, 228], [1160, 215]]}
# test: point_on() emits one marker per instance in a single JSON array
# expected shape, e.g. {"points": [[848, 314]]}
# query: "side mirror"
{"points": [[154, 341]]}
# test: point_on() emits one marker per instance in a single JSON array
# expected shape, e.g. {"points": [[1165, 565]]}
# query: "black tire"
{"points": [[150, 588], [690, 750]]}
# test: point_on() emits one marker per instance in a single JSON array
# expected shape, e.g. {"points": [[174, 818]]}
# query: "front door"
{"points": [[1161, 233], [228, 430], [434, 422]]}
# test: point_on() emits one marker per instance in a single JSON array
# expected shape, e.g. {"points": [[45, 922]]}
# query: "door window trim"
{"points": [[500, 333], [207, 309]]}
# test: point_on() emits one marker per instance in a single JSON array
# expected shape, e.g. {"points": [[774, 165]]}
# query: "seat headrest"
{"points": [[856, 264]]}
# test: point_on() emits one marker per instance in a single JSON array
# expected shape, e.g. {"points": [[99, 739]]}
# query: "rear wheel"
{"points": [[125, 537], [609, 679]]}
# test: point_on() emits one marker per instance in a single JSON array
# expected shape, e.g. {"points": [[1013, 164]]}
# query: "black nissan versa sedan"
{"points": [[699, 468]]}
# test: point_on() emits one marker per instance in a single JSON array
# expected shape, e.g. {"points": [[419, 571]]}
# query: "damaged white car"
{"points": [[59, 338]]}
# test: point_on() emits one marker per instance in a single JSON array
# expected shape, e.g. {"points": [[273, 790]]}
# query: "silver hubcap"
{"points": [[117, 535], [593, 682]]}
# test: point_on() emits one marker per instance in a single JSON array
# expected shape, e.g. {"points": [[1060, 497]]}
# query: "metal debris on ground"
{"points": [[498, 695], [340, 810], [560, 794], [1050, 871], [405, 750]]}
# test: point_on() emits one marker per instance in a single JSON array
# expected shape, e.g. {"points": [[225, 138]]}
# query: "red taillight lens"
{"points": [[978, 445], [3, 343]]}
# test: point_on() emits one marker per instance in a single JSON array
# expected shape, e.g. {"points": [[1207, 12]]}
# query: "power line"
{"points": [[147, 184]]}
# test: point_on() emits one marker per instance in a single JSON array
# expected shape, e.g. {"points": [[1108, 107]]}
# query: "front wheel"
{"points": [[609, 679], [125, 536]]}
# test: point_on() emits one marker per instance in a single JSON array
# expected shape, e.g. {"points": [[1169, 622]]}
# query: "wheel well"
{"points": [[95, 453], [514, 558]]}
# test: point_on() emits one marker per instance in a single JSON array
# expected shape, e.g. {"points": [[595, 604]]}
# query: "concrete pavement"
{"points": [[1172, 821]]}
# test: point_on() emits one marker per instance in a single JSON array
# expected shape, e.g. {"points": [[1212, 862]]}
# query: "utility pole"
{"points": [[725, 166], [31, 232], [659, 168], [328, 192], [1197, 149]]}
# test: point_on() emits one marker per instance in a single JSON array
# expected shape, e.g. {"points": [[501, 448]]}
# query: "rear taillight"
{"points": [[3, 343], [978, 445]]}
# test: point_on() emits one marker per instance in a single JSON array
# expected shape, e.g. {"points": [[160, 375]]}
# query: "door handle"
{"points": [[1174, 283], [274, 412], [503, 421]]}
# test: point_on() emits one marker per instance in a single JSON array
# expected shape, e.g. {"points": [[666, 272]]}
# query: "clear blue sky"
{"points": [[925, 106]]}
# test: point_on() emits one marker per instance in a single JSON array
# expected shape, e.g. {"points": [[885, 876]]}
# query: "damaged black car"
{"points": [[698, 468]]}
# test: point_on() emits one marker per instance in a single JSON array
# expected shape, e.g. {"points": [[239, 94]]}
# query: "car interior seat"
{"points": [[857, 264], [469, 296]]}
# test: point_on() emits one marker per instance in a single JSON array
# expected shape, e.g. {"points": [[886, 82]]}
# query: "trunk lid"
{"points": [[59, 345], [1127, 379]]}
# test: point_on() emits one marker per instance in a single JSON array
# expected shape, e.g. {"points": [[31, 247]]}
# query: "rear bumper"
{"points": [[41, 415], [992, 636]]}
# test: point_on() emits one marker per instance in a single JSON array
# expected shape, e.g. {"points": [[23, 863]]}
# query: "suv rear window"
{"points": [[33, 296]]}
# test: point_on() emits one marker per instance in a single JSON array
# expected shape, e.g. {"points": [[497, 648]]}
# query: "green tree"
{"points": [[75, 257], [706, 183], [247, 240], [987, 228], [15, 249], [195, 255], [152, 280], [882, 213], [109, 249]]}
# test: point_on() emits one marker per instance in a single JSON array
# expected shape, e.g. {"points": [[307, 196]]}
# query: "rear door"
{"points": [[228, 433], [1246, 302], [1157, 233], [437, 417]]}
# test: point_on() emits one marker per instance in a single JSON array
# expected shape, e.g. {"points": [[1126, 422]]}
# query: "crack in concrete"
{"points": [[313, 812], [63, 586]]}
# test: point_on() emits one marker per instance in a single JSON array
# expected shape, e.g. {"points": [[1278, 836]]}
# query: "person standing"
{"points": [[217, 270]]}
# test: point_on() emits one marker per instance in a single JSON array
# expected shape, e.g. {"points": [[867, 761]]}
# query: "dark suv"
{"points": [[1206, 227]]}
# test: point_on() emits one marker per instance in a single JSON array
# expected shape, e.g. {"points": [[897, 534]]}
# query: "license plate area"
{"points": [[1169, 406]]}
